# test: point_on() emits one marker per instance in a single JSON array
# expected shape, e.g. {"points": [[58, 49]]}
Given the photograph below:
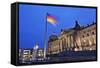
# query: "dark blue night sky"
{"points": [[32, 19]]}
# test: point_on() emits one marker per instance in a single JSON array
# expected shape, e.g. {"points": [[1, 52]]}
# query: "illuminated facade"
{"points": [[30, 55], [40, 53], [54, 44], [79, 38], [25, 55]]}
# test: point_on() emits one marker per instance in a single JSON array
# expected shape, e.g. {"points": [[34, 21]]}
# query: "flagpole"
{"points": [[45, 36]]}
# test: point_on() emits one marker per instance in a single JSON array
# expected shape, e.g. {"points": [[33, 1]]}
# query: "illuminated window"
{"points": [[39, 54]]}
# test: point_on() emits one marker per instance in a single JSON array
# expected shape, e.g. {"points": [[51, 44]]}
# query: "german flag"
{"points": [[51, 19]]}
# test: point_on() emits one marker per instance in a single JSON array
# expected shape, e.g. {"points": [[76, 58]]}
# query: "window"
{"points": [[83, 36], [87, 34], [93, 33]]}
